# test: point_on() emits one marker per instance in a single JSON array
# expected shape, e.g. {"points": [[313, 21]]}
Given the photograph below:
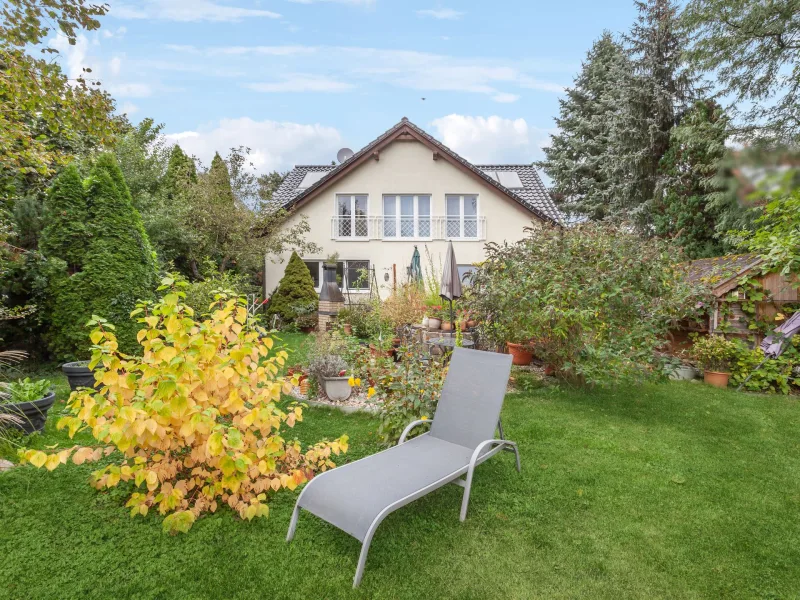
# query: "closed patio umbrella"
{"points": [[415, 270], [451, 283]]}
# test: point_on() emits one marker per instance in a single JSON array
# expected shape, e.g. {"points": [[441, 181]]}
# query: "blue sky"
{"points": [[296, 80]]}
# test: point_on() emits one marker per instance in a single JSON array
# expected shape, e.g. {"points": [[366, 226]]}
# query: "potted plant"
{"points": [[521, 353], [714, 354], [78, 374], [29, 401], [330, 371], [434, 317]]}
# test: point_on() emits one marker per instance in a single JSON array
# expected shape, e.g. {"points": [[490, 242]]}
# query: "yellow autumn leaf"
{"points": [[37, 459], [52, 462]]}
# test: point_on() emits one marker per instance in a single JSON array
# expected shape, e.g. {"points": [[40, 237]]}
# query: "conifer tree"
{"points": [[295, 289], [690, 198], [659, 89], [120, 265], [219, 178], [65, 215], [578, 153]]}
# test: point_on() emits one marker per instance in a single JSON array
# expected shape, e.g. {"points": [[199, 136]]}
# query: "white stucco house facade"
{"points": [[404, 189]]}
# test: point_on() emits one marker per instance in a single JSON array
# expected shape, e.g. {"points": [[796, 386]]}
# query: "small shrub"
{"points": [[776, 375], [194, 422], [200, 295], [296, 288], [407, 391], [405, 305], [714, 352]]}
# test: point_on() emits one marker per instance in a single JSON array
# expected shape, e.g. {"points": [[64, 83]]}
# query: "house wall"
{"points": [[405, 167]]}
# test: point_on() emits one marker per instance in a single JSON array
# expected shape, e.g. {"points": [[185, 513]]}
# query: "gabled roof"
{"points": [[722, 273], [533, 195]]}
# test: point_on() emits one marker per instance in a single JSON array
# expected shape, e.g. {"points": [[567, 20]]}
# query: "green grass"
{"points": [[677, 490]]}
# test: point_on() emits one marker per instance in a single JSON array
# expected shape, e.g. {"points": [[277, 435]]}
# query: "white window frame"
{"points": [[352, 198], [461, 216], [344, 263], [398, 218], [318, 288]]}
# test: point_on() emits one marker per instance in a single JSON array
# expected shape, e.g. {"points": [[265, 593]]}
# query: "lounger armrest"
{"points": [[411, 426]]}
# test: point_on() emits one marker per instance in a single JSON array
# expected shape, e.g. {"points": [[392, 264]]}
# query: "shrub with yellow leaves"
{"points": [[196, 418]]}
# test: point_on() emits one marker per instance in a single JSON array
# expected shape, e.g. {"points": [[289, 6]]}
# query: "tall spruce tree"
{"points": [[65, 215], [691, 196], [578, 153], [120, 267], [659, 89], [219, 178]]}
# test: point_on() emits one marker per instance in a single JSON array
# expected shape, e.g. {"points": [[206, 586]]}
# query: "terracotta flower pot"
{"points": [[716, 378], [549, 370], [520, 354], [377, 353], [471, 323], [447, 326], [348, 329]]}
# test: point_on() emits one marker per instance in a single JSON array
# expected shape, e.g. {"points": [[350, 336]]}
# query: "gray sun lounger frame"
{"points": [[358, 496]]}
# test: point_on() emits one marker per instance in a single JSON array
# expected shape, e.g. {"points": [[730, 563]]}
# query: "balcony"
{"points": [[437, 227]]}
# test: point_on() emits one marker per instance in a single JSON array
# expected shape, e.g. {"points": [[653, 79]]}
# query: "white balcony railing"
{"points": [[437, 227]]}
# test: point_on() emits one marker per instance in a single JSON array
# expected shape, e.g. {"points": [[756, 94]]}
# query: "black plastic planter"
{"points": [[78, 374], [32, 414]]}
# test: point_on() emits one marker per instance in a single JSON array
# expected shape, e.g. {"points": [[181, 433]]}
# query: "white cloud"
{"points": [[490, 139], [186, 10], [130, 90], [118, 32], [302, 83], [400, 68], [74, 56], [440, 13], [115, 65], [505, 98], [274, 145], [128, 108]]}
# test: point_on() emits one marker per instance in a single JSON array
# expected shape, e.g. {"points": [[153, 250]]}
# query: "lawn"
{"points": [[675, 490]]}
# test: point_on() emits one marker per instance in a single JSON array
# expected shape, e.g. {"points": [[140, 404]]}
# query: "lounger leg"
{"points": [[362, 561], [516, 453], [465, 498], [293, 523]]}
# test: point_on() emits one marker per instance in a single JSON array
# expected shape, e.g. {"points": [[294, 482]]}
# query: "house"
{"points": [[402, 190], [745, 301]]}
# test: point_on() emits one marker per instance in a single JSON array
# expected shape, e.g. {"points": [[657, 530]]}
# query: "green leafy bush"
{"points": [[201, 294], [776, 375], [295, 289], [595, 301], [715, 352], [405, 391]]}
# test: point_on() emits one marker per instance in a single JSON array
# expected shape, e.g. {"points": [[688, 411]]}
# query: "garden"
{"points": [[162, 411]]}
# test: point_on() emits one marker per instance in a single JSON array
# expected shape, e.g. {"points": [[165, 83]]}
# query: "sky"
{"points": [[296, 80]]}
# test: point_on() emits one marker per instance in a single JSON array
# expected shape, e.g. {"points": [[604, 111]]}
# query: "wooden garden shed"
{"points": [[740, 293]]}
